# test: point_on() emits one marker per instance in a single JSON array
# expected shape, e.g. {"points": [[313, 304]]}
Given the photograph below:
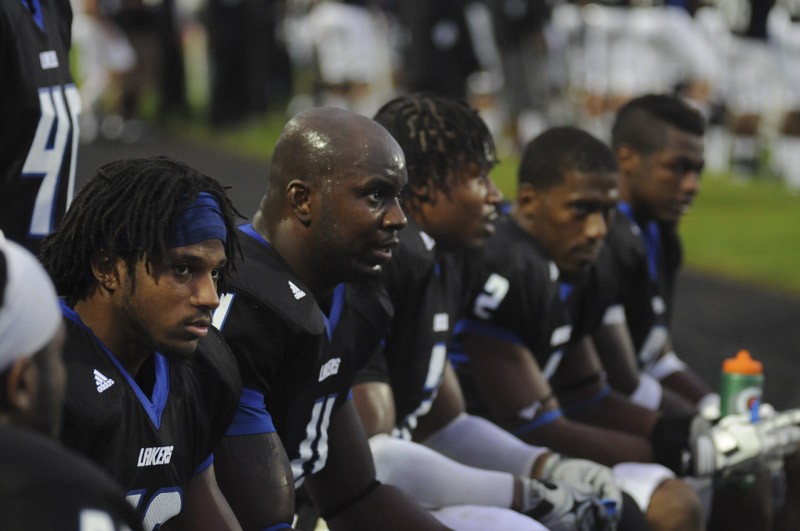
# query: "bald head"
{"points": [[332, 208], [322, 145]]}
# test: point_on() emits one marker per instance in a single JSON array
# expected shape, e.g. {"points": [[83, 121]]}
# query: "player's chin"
{"points": [[366, 270], [180, 349], [575, 269]]}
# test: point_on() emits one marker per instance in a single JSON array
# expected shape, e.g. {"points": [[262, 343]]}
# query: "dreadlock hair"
{"points": [[548, 157], [438, 135], [642, 122], [126, 212]]}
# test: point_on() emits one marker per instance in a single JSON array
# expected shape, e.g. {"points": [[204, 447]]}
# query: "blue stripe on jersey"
{"points": [[207, 462], [589, 402], [486, 329], [251, 417], [650, 236], [336, 310], [564, 290], [155, 407], [542, 420]]}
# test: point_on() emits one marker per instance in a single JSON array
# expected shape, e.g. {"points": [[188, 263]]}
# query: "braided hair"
{"points": [[438, 136], [126, 212]]}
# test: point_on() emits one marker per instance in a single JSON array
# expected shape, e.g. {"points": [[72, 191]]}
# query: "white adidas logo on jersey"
{"points": [[297, 292], [101, 381]]}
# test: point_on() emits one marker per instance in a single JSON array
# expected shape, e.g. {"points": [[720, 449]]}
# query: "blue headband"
{"points": [[200, 221]]}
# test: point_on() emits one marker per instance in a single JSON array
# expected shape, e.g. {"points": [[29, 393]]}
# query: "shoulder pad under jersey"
{"points": [[264, 276]]}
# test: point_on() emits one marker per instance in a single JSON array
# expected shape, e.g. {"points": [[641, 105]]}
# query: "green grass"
{"points": [[254, 139], [746, 231]]}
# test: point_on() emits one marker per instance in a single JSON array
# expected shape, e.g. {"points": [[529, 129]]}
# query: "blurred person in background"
{"points": [[40, 105]]}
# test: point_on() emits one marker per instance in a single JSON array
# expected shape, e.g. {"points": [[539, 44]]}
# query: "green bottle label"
{"points": [[740, 392]]}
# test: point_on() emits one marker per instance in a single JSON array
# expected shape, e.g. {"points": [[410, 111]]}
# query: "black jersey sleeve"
{"points": [[220, 385], [374, 369]]}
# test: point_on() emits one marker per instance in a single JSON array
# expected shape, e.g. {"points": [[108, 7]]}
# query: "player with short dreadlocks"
{"points": [[126, 211], [438, 135], [408, 390], [151, 385]]}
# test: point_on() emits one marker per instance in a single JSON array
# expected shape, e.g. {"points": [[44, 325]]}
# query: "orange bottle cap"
{"points": [[742, 364]]}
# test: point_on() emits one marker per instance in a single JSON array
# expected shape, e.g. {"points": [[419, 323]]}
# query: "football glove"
{"points": [[559, 507], [736, 443], [587, 478]]}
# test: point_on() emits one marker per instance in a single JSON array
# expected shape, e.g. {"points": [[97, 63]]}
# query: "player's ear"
{"points": [[21, 385], [528, 199], [298, 192], [628, 159], [422, 191], [105, 271]]}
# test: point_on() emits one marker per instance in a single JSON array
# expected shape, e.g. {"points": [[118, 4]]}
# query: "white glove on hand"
{"points": [[559, 507], [736, 442], [587, 478]]}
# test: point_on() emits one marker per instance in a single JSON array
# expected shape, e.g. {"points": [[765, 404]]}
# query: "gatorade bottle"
{"points": [[742, 385]]}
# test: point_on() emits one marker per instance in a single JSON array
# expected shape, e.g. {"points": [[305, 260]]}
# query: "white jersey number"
{"points": [[164, 504], [316, 441], [59, 115], [495, 290]]}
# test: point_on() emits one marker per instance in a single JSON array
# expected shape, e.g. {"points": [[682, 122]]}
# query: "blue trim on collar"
{"points": [[248, 229], [155, 407], [35, 9], [336, 310], [650, 236]]}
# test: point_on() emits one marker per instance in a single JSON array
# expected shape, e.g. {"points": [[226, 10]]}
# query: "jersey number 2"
{"points": [[59, 115]]}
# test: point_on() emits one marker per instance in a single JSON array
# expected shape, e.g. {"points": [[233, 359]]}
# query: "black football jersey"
{"points": [[521, 301], [428, 292], [39, 106], [639, 265], [152, 445], [301, 360], [45, 486]]}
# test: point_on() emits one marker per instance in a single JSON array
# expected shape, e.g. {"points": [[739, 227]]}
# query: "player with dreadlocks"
{"points": [[151, 385], [467, 470]]}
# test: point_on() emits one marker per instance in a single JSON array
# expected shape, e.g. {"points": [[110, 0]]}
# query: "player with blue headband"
{"points": [[140, 259]]}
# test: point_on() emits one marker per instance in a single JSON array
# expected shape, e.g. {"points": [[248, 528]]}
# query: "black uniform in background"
{"points": [[45, 486], [522, 301], [152, 440], [440, 55], [39, 105], [637, 269], [428, 292]]}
